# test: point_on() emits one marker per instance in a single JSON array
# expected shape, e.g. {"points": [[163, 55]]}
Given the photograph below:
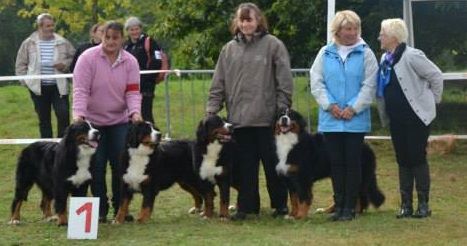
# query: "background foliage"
{"points": [[194, 31]]}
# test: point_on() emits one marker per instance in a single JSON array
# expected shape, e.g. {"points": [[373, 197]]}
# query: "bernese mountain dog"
{"points": [[213, 153], [137, 169], [303, 160], [58, 169], [150, 166]]}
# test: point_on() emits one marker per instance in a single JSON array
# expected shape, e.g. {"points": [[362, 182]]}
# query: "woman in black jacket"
{"points": [[95, 34], [148, 54]]}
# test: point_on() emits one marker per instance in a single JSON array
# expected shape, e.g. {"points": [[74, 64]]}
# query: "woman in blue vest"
{"points": [[343, 81]]}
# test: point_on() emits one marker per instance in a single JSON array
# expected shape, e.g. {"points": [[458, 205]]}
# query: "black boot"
{"points": [[338, 207], [280, 212], [406, 179], [422, 181], [336, 215], [406, 209], [423, 209], [347, 214]]}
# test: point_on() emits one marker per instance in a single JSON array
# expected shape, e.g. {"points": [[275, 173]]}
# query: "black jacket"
{"points": [[138, 51]]}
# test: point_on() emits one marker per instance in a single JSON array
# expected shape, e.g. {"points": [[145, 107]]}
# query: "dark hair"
{"points": [[114, 25], [243, 13]]}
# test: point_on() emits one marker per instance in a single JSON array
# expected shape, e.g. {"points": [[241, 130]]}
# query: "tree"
{"points": [[193, 31], [198, 29], [14, 30]]}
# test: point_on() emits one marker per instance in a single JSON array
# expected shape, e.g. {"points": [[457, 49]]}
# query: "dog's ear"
{"points": [[70, 132], [132, 136], [302, 122], [202, 131]]}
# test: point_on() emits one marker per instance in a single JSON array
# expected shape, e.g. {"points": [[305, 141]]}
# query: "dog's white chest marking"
{"points": [[83, 162], [284, 143], [139, 159], [208, 168]]}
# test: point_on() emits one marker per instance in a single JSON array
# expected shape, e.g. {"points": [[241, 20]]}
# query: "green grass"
{"points": [[171, 225]]}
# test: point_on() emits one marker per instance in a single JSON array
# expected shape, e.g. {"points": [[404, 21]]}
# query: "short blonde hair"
{"points": [[395, 28], [343, 18]]}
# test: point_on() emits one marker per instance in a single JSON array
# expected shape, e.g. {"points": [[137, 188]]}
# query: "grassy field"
{"points": [[172, 225]]}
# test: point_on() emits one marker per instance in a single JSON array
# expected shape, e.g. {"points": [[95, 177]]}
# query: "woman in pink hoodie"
{"points": [[106, 93]]}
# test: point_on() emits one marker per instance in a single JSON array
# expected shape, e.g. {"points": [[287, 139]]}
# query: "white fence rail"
{"points": [[167, 100]]}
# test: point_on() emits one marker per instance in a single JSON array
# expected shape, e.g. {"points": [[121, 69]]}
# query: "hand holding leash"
{"points": [[77, 119], [136, 117]]}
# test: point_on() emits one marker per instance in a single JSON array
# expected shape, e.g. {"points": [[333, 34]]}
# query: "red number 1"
{"points": [[87, 207]]}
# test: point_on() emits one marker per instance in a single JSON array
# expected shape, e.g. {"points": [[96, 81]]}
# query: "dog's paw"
{"points": [[14, 222], [51, 218], [289, 217], [116, 222], [232, 208], [194, 210], [320, 211]]}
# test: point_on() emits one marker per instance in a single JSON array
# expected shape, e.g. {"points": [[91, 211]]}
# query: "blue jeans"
{"points": [[43, 105], [110, 149]]}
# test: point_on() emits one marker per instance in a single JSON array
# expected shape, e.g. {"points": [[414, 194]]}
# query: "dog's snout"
{"points": [[284, 121], [94, 135], [156, 136], [228, 126]]}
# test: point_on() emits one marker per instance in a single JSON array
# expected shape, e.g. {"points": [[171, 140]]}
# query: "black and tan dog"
{"points": [[213, 151], [303, 160], [149, 167], [58, 169], [137, 169]]}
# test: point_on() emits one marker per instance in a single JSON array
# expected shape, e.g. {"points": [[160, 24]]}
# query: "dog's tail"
{"points": [[375, 195]]}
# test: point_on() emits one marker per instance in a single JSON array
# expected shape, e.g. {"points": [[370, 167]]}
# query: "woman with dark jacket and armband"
{"points": [[409, 87], [147, 59]]}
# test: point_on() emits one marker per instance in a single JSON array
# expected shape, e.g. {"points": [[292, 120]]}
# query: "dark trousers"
{"points": [[50, 97], [148, 86], [146, 108], [255, 144], [409, 138], [111, 147], [344, 151]]}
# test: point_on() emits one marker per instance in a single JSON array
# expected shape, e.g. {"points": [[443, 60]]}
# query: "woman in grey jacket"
{"points": [[409, 86], [253, 79]]}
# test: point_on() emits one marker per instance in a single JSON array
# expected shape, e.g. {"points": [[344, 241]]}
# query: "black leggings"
{"points": [[344, 151], [409, 138]]}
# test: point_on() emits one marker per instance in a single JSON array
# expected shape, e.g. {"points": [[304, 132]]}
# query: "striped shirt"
{"points": [[47, 60]]}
